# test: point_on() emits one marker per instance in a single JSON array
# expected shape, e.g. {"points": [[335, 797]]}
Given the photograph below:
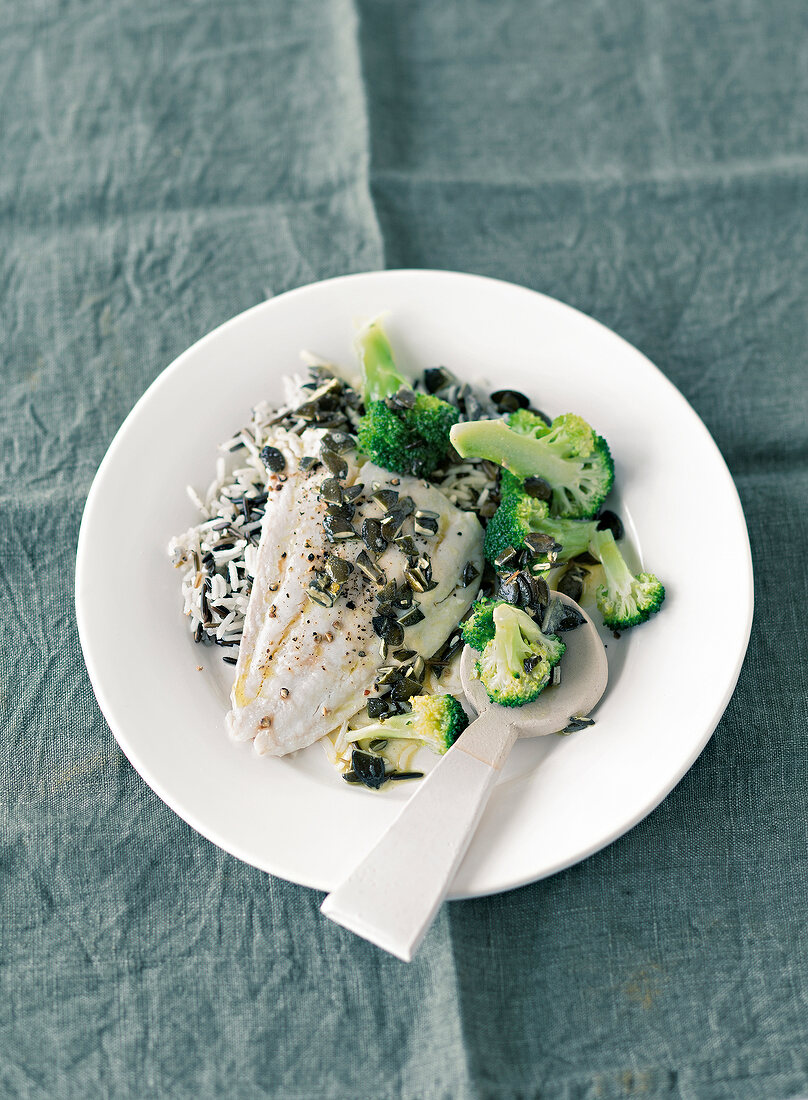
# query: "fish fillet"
{"points": [[303, 668]]}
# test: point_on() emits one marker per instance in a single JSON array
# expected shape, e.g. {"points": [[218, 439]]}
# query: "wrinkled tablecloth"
{"points": [[163, 166]]}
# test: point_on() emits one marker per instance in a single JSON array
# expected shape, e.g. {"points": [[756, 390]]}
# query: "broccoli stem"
{"points": [[624, 599], [606, 550], [573, 535], [524, 455], [379, 371], [508, 639], [398, 725], [514, 632]]}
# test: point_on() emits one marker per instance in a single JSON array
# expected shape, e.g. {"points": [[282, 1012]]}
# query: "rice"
{"points": [[218, 555], [467, 484]]}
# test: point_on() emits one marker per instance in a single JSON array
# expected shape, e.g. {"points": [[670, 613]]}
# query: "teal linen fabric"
{"points": [[163, 166]]}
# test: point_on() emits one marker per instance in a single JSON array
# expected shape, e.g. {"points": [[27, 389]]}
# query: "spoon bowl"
{"points": [[392, 896], [584, 674]]}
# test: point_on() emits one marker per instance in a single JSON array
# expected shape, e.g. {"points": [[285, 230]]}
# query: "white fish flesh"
{"points": [[304, 668]]}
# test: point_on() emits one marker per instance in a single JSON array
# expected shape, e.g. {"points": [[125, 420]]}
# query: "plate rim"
{"points": [[212, 834]]}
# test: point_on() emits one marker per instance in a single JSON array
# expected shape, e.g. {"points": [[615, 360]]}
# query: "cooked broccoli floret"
{"points": [[478, 629], [435, 720], [572, 458], [527, 422], [510, 483], [516, 664], [410, 435], [624, 600], [515, 518], [520, 515]]}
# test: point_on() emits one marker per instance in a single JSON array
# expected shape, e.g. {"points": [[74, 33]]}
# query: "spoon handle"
{"points": [[393, 895]]}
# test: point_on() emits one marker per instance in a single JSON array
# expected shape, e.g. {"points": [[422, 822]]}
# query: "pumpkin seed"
{"points": [[538, 543], [542, 589], [368, 767], [412, 617], [387, 674], [338, 529], [372, 536], [377, 707], [335, 463], [572, 584], [417, 669], [426, 526], [469, 574], [325, 599], [391, 525], [339, 442], [610, 521], [388, 629], [406, 545], [331, 490], [367, 567], [509, 589], [437, 378], [577, 723], [341, 511], [387, 593], [528, 590], [403, 598], [419, 575], [403, 398], [537, 488], [560, 617], [386, 499], [405, 688], [273, 459], [338, 568], [381, 625], [509, 400], [501, 560]]}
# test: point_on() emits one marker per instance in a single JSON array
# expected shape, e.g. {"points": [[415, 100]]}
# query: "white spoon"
{"points": [[392, 897]]}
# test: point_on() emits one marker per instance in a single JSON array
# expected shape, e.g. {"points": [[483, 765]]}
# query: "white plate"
{"points": [[561, 798]]}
